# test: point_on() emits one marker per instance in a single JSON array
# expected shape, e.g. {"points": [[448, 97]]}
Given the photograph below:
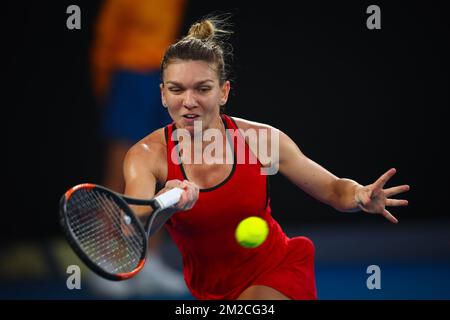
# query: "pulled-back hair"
{"points": [[204, 42]]}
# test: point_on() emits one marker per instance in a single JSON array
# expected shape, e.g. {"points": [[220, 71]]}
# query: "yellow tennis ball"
{"points": [[251, 232]]}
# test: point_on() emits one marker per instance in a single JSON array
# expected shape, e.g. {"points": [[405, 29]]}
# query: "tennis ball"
{"points": [[251, 232]]}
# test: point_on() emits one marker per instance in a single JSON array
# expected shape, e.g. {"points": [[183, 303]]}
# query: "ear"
{"points": [[163, 100], [225, 92]]}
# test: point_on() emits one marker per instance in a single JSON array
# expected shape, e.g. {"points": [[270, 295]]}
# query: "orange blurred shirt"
{"points": [[133, 35]]}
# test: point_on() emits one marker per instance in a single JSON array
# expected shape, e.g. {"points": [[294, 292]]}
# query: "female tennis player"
{"points": [[219, 195]]}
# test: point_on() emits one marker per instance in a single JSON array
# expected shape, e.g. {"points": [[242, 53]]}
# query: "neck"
{"points": [[201, 138]]}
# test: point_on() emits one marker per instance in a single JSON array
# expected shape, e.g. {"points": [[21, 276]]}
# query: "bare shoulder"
{"points": [[148, 155], [247, 124], [264, 132], [259, 134]]}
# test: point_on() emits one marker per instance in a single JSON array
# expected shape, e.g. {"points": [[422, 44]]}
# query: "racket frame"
{"points": [[123, 202]]}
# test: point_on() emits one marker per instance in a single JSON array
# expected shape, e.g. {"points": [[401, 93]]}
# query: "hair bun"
{"points": [[203, 30]]}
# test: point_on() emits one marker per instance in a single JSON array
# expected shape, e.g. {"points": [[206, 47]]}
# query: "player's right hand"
{"points": [[188, 197]]}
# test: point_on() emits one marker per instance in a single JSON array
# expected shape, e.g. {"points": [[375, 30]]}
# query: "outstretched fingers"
{"points": [[396, 202], [379, 184], [389, 192], [389, 216]]}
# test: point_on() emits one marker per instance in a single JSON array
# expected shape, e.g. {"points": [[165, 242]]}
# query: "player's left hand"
{"points": [[374, 199]]}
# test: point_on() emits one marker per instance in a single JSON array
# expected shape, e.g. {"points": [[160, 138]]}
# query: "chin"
{"points": [[188, 127]]}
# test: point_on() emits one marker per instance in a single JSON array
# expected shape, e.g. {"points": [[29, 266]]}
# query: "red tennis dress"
{"points": [[215, 265]]}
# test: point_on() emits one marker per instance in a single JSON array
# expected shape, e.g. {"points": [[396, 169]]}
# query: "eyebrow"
{"points": [[195, 84]]}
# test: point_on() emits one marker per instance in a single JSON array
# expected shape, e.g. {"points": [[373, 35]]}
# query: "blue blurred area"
{"points": [[413, 256], [398, 281]]}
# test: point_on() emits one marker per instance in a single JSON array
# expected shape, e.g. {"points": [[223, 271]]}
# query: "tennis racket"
{"points": [[104, 232]]}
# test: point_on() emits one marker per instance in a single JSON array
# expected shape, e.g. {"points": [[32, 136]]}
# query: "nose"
{"points": [[189, 100]]}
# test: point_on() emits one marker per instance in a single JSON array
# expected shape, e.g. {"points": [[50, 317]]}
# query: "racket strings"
{"points": [[119, 222], [119, 229], [90, 229], [97, 222], [94, 236], [105, 246], [135, 249]]}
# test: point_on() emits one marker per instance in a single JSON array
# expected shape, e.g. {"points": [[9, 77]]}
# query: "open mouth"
{"points": [[190, 116]]}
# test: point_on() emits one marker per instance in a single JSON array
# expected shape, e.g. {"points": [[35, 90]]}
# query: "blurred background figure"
{"points": [[129, 42]]}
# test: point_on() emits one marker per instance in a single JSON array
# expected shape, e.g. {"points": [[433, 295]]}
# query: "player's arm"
{"points": [[143, 170], [342, 194], [314, 179], [302, 171], [140, 172]]}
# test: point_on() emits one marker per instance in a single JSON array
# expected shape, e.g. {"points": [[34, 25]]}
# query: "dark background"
{"points": [[356, 101]]}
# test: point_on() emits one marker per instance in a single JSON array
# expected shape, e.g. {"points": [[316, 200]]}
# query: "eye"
{"points": [[174, 89], [204, 89]]}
